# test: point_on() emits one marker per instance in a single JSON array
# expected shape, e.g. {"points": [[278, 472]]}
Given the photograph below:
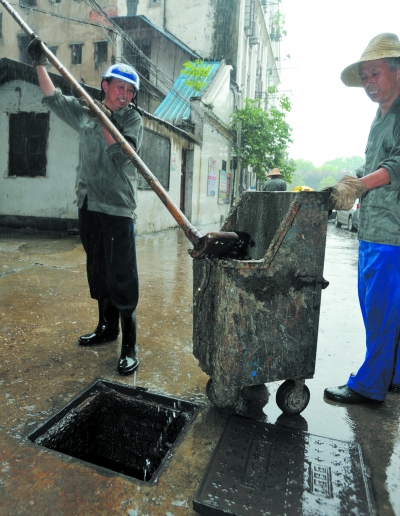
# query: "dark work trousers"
{"points": [[109, 242]]}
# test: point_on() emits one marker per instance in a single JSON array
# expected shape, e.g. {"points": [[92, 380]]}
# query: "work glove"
{"points": [[91, 114], [345, 192], [36, 54], [94, 117]]}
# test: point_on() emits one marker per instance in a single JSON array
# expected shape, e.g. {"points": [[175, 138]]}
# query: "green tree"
{"points": [[327, 181], [328, 170], [297, 179], [334, 170], [197, 72], [305, 165], [265, 136], [346, 165]]}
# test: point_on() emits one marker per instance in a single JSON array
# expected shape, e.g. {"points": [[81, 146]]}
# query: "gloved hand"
{"points": [[345, 192], [91, 114], [36, 54]]}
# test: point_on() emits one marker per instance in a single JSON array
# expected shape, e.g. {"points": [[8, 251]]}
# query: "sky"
{"points": [[329, 120]]}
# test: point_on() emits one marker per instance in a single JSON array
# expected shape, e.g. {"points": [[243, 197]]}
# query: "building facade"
{"points": [[195, 158], [80, 35], [39, 156], [245, 33]]}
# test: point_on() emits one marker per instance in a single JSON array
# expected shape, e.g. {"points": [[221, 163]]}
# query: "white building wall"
{"points": [[217, 145], [219, 95], [151, 213], [189, 20], [206, 209], [50, 196]]}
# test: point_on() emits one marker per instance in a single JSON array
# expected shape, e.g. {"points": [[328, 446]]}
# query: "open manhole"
{"points": [[130, 431]]}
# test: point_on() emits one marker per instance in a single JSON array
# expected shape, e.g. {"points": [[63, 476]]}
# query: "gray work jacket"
{"points": [[379, 219], [104, 174]]}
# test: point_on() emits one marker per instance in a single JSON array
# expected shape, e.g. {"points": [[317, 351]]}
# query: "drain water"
{"points": [[127, 430]]}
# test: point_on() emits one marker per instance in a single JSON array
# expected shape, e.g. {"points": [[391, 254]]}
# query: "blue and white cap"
{"points": [[123, 72]]}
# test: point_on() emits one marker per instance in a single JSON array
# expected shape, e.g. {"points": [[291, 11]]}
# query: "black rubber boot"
{"points": [[108, 327], [128, 361]]}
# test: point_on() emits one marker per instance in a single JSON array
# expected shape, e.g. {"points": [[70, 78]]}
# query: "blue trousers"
{"points": [[379, 295], [109, 242]]}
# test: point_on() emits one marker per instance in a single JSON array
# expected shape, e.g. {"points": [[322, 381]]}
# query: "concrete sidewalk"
{"points": [[45, 306]]}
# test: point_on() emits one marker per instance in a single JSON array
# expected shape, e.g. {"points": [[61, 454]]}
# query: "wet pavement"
{"points": [[45, 306]]}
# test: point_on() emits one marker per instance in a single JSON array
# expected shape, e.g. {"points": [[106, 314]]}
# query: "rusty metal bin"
{"points": [[255, 320]]}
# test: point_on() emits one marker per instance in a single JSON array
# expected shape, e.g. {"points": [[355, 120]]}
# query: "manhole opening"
{"points": [[130, 431]]}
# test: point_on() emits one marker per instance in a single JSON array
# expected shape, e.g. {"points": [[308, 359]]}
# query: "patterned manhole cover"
{"points": [[262, 469]]}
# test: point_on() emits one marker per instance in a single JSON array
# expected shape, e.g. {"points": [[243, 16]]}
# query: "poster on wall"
{"points": [[224, 188], [173, 162], [212, 176]]}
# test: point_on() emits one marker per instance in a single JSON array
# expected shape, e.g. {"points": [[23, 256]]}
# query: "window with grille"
{"points": [[249, 18], [155, 152], [23, 42], [131, 6], [100, 52], [140, 63], [27, 3], [76, 53], [53, 49], [28, 143]]}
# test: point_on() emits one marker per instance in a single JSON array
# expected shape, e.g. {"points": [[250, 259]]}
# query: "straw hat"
{"points": [[274, 173], [381, 46]]}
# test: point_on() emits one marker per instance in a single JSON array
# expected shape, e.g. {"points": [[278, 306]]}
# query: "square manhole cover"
{"points": [[130, 431], [260, 469]]}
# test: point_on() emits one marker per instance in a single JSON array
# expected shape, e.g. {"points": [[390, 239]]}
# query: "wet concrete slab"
{"points": [[45, 307]]}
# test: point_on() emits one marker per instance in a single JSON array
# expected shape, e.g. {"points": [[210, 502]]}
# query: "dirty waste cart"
{"points": [[255, 319]]}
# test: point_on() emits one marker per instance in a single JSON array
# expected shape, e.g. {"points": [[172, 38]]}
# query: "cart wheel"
{"points": [[221, 396], [290, 399]]}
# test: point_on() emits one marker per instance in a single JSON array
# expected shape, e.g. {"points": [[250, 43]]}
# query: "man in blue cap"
{"points": [[106, 190]]}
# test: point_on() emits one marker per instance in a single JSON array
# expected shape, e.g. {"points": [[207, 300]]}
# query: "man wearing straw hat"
{"points": [[378, 72], [275, 183]]}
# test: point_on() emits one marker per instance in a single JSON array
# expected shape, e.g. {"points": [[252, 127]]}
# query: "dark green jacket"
{"points": [[379, 219], [104, 174], [274, 184]]}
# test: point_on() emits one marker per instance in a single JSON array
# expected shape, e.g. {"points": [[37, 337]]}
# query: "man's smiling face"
{"points": [[118, 94]]}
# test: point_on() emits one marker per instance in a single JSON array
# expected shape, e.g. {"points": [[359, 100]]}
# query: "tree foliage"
{"points": [[327, 181], [265, 136], [197, 72], [327, 174]]}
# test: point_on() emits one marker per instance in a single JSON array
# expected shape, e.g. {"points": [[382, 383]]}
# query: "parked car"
{"points": [[348, 218]]}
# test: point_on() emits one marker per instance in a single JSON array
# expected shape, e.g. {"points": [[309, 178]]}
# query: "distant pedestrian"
{"points": [[275, 182], [378, 186]]}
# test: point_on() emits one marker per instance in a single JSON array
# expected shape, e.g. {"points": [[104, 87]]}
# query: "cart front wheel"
{"points": [[221, 396], [292, 399]]}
